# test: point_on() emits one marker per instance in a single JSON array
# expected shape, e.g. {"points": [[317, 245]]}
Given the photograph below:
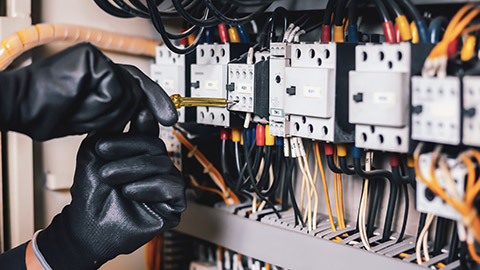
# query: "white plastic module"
{"points": [[471, 110], [202, 266], [379, 93], [436, 110], [427, 202], [169, 72], [311, 90], [209, 79], [241, 79], [279, 123]]}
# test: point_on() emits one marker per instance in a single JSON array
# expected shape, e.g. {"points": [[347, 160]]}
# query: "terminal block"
{"points": [[209, 77], [427, 201], [316, 91], [471, 110], [279, 61], [172, 72], [379, 94], [248, 85], [436, 110]]}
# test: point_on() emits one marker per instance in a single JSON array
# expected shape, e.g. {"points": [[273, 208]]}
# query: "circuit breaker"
{"points": [[315, 91], [209, 78], [436, 109], [279, 61], [248, 85], [471, 110], [172, 72], [379, 94]]}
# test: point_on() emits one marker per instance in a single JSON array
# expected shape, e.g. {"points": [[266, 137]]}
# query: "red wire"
{"points": [[222, 31], [326, 33], [389, 31]]}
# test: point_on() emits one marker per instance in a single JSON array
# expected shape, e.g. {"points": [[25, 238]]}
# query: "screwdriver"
{"points": [[180, 101]]}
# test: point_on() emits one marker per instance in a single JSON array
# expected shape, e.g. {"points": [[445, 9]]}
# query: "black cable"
{"points": [[238, 161], [276, 175], [331, 164], [106, 6], [296, 210], [394, 7], [264, 177], [225, 171], [382, 10], [377, 190], [344, 167], [352, 12], [233, 21], [439, 240], [404, 189], [453, 249], [132, 11], [327, 17], [252, 177], [391, 198], [463, 256], [171, 12], [339, 12], [285, 192], [357, 225], [421, 224], [158, 24], [250, 3], [194, 21]]}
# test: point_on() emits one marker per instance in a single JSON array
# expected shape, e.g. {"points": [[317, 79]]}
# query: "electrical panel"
{"points": [[437, 109], [471, 110], [315, 91], [172, 72], [379, 94], [209, 78], [248, 85]]}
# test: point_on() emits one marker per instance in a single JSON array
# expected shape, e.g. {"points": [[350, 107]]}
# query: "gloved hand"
{"points": [[126, 191], [77, 91]]}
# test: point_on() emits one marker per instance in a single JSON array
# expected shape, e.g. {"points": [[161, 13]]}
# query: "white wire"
{"points": [[418, 248]]}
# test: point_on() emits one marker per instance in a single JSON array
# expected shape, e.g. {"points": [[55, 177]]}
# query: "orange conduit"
{"points": [[40, 34]]}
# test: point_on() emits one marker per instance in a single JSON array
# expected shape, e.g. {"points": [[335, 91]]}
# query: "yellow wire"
{"points": [[325, 187]]}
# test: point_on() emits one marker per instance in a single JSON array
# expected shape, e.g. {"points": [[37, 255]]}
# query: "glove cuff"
{"points": [[60, 248], [38, 253]]}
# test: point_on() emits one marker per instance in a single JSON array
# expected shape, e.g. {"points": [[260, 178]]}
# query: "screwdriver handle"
{"points": [[180, 101]]}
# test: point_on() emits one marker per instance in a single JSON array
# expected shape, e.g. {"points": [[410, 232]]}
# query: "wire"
{"points": [[234, 21], [325, 187], [420, 240], [419, 21]]}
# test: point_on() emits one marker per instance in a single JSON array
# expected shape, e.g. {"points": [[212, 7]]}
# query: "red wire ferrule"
{"points": [[326, 33], [222, 31], [394, 160], [224, 134], [183, 41], [260, 135], [388, 30], [328, 149]]}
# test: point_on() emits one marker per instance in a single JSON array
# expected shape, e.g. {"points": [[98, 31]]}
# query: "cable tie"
{"points": [[208, 168], [192, 153]]}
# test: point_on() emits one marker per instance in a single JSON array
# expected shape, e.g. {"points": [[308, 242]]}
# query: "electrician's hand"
{"points": [[77, 91], [126, 191]]}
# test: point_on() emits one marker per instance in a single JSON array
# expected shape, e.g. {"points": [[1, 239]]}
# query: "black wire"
{"points": [[377, 188], [396, 9], [158, 24], [382, 10], [194, 21], [439, 236], [296, 210], [412, 9], [463, 255], [106, 6], [344, 167], [332, 166], [404, 189], [250, 3], [276, 175], [288, 173], [339, 13], [421, 224], [225, 171], [327, 17], [233, 21], [267, 161], [391, 198], [453, 250], [252, 178], [352, 12], [132, 11]]}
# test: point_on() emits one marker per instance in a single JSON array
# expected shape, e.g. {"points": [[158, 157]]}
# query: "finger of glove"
{"points": [[144, 123], [158, 101], [120, 146], [134, 169], [170, 217], [169, 189]]}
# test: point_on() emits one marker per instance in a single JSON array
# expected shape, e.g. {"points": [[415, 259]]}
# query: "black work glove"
{"points": [[77, 91], [126, 191]]}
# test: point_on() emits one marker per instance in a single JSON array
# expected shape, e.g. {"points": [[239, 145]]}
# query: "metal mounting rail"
{"points": [[281, 246]]}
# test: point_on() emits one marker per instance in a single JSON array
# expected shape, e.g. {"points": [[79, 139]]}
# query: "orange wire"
{"points": [[473, 252], [325, 187]]}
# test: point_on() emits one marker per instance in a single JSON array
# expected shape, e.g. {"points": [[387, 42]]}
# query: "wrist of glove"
{"points": [[126, 191], [77, 91]]}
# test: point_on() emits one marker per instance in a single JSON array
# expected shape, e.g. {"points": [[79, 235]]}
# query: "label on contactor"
{"points": [[312, 91], [244, 88], [386, 98], [168, 84], [211, 85]]}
